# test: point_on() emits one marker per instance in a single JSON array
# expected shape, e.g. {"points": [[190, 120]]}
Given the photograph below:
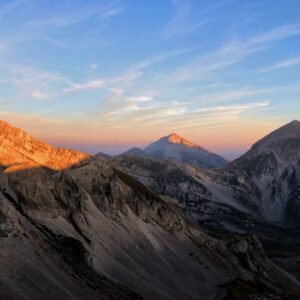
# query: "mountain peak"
{"points": [[173, 135], [177, 148], [295, 124], [287, 131], [174, 138]]}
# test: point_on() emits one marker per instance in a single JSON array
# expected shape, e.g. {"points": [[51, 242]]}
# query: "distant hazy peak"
{"points": [[174, 138], [179, 149]]}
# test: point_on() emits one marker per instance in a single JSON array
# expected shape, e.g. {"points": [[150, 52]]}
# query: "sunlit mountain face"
{"points": [[18, 151], [149, 150]]}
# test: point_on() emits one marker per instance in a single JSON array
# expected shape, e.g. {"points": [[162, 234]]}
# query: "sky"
{"points": [[108, 75]]}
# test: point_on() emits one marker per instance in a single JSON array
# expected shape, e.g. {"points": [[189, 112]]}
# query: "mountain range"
{"points": [[76, 226], [258, 192]]}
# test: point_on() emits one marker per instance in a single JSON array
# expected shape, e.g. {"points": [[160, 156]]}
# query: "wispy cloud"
{"points": [[282, 64], [228, 54], [33, 82], [111, 12], [234, 109], [213, 116], [10, 7], [70, 16], [90, 85], [62, 15], [180, 23], [121, 81], [37, 94], [260, 41], [232, 95]]}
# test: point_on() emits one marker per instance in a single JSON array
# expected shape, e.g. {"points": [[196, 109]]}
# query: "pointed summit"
{"points": [[180, 149], [176, 139]]}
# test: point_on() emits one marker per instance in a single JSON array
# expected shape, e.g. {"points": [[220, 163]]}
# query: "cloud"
{"points": [[112, 12], [260, 41], [119, 82], [210, 116], [63, 14], [282, 64], [87, 86], [234, 109], [10, 7], [37, 94], [93, 66], [35, 82], [70, 15], [231, 95], [230, 53], [180, 23]]}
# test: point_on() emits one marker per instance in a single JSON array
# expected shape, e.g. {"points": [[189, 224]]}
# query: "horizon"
{"points": [[230, 155], [102, 76], [116, 149]]}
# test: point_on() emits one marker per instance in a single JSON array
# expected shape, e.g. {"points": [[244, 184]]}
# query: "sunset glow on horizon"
{"points": [[221, 74]]}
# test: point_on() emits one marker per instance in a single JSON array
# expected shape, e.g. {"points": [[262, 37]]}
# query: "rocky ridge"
{"points": [[18, 150]]}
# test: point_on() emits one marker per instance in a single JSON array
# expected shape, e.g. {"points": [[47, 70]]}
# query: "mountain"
{"points": [[19, 150], [135, 151], [103, 155], [279, 149], [91, 231], [258, 193], [273, 165], [174, 147]]}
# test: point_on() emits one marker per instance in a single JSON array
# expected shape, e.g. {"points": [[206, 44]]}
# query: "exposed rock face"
{"points": [[174, 147], [18, 150], [93, 232]]}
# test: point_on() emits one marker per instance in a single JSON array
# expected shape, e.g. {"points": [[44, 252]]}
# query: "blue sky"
{"points": [[106, 75]]}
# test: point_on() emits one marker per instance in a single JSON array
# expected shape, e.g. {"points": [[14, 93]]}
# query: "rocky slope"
{"points": [[174, 147], [93, 232]]}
